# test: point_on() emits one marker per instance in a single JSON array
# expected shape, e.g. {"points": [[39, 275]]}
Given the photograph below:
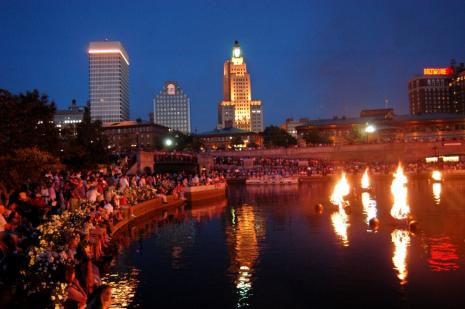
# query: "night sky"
{"points": [[306, 58]]}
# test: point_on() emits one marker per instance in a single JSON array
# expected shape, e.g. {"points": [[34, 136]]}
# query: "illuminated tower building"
{"points": [[237, 108], [108, 81]]}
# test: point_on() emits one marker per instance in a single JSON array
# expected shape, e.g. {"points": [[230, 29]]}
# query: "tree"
{"points": [[315, 137], [275, 136], [27, 121], [23, 165], [89, 147], [236, 141], [354, 136]]}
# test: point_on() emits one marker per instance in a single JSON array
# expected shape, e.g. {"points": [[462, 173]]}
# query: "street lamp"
{"points": [[370, 128], [168, 142]]}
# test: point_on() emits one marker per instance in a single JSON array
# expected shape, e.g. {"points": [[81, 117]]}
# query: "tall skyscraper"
{"points": [[108, 81], [237, 108], [172, 108]]}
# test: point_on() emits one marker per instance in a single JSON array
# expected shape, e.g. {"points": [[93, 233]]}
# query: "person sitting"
{"points": [[77, 297]]}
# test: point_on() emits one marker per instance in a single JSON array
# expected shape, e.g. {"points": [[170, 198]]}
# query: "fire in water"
{"points": [[400, 208], [369, 206], [365, 180], [341, 190], [401, 241], [339, 218]]}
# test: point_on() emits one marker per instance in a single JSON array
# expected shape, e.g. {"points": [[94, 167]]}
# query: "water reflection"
{"points": [[369, 206], [443, 254], [437, 192], [124, 285], [401, 241], [243, 235], [340, 224]]}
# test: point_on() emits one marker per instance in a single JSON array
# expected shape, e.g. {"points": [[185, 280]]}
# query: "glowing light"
{"points": [[123, 287], [365, 180], [432, 159], [451, 158], [339, 218], [237, 52], [437, 192], [401, 241], [340, 224], [400, 209], [341, 190], [168, 142], [370, 129], [369, 206], [436, 175], [438, 71], [109, 51]]}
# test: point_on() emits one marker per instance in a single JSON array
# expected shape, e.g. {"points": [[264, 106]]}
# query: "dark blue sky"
{"points": [[306, 58]]}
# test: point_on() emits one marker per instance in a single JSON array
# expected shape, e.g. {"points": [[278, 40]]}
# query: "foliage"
{"points": [[316, 137], [88, 147], [23, 165], [27, 122], [236, 141], [354, 136], [275, 136]]}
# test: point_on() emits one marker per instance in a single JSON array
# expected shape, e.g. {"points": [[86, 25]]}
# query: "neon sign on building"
{"points": [[438, 71]]}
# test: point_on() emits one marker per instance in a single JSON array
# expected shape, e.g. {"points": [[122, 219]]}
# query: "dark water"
{"points": [[266, 247]]}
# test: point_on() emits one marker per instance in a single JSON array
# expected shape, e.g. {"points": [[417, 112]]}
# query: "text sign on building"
{"points": [[437, 71]]}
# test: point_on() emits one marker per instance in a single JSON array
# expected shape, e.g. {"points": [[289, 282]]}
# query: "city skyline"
{"points": [[318, 60]]}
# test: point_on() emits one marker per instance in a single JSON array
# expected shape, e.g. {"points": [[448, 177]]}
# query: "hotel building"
{"points": [[237, 109], [108, 81], [172, 108]]}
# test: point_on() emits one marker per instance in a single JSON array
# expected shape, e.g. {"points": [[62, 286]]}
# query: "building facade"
{"points": [[429, 93], [237, 109], [69, 117], [457, 91], [291, 124], [132, 135], [386, 127], [230, 138], [108, 81], [172, 108]]}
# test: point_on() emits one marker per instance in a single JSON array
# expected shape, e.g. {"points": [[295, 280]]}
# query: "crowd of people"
{"points": [[59, 231], [235, 167]]}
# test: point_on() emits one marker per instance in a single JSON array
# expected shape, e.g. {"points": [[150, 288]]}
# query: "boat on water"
{"points": [[272, 180], [205, 193]]}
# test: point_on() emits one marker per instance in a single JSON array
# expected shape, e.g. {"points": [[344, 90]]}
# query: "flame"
{"points": [[339, 218], [400, 208], [341, 190], [369, 206], [436, 175], [365, 180], [401, 241], [437, 192]]}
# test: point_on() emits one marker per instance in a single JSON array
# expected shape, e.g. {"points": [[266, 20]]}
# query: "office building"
{"points": [[172, 108], [237, 109], [108, 81]]}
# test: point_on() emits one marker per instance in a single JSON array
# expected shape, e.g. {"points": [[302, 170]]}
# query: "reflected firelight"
{"points": [[437, 188], [123, 287], [339, 219], [400, 208], [369, 206], [401, 241], [443, 254]]}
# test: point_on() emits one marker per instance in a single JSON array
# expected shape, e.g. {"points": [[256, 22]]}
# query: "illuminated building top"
{"points": [[237, 109], [438, 71], [108, 48]]}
